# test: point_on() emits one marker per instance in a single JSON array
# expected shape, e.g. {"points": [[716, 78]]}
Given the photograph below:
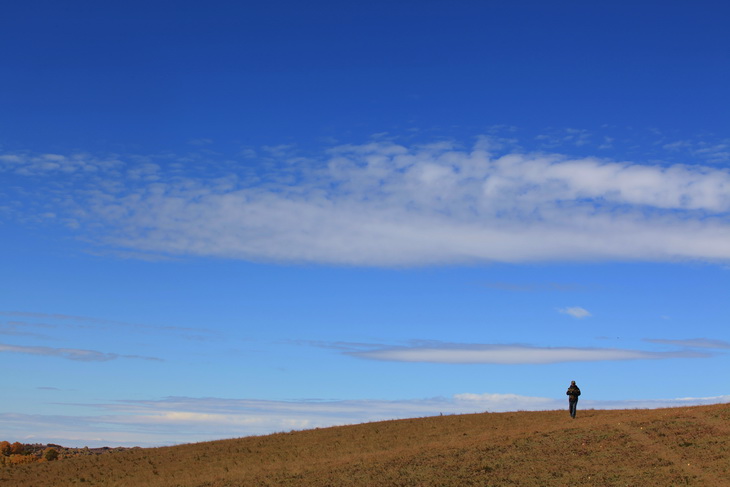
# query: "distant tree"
{"points": [[50, 454], [17, 448], [5, 448]]}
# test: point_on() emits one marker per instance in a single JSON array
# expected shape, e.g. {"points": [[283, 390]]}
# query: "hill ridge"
{"points": [[648, 447]]}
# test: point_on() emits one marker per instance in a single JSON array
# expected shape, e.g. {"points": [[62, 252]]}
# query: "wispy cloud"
{"points": [[558, 138], [465, 353], [70, 353], [56, 319], [94, 333], [575, 312], [714, 152], [21, 328], [389, 204], [692, 343]]}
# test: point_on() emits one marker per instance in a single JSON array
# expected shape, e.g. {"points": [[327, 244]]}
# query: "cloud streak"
{"points": [[70, 353], [692, 343], [459, 353], [388, 204]]}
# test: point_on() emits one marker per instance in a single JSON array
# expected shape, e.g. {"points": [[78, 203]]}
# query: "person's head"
{"points": [[572, 382]]}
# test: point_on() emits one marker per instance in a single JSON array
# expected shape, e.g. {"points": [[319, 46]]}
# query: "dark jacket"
{"points": [[573, 392]]}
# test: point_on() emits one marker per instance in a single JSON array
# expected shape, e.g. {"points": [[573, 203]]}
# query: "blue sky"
{"points": [[225, 219]]}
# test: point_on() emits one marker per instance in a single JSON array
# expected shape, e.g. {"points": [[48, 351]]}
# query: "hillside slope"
{"points": [[661, 447]]}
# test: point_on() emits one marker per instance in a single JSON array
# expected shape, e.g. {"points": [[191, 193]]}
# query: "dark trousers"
{"points": [[572, 405]]}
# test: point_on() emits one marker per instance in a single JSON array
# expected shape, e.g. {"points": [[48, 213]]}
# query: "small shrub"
{"points": [[50, 454]]}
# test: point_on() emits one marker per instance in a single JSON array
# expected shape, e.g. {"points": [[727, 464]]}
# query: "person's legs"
{"points": [[573, 407]]}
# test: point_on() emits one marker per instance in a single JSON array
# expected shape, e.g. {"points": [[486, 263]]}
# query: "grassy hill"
{"points": [[660, 447]]}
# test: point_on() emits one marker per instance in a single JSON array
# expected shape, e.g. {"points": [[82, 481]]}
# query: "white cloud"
{"points": [[459, 353], [575, 312], [385, 204]]}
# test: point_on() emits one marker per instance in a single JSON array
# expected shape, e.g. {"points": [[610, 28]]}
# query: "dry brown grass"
{"points": [[661, 447]]}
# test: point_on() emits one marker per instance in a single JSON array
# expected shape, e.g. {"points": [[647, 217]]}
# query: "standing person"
{"points": [[573, 393]]}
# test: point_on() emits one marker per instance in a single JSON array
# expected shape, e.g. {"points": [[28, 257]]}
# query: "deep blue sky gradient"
{"points": [[152, 75]]}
